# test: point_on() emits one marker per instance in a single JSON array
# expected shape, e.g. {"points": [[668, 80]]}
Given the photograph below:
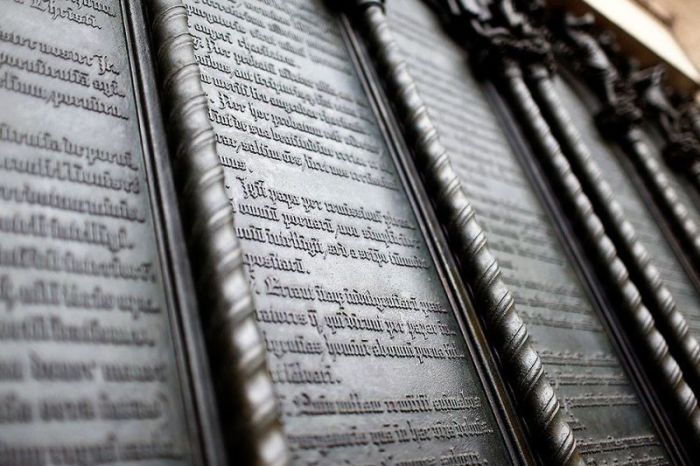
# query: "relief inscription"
{"points": [[367, 358], [611, 425], [637, 212], [88, 372]]}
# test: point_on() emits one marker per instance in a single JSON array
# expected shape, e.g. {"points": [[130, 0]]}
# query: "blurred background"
{"points": [[653, 31]]}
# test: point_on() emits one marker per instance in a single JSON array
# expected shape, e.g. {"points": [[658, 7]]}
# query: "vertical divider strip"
{"points": [[633, 312], [658, 184], [521, 365], [672, 323], [248, 405]]}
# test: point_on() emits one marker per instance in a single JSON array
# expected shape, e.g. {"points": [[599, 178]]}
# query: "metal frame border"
{"points": [[520, 364], [248, 406]]}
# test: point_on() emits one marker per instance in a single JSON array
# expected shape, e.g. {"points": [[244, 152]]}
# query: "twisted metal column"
{"points": [[670, 321], [658, 184], [520, 364], [248, 404], [632, 311]]}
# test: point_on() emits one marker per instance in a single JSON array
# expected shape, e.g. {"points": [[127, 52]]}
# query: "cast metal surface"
{"points": [[647, 339], [434, 86], [620, 120], [649, 344], [368, 359], [248, 405], [494, 302], [91, 350], [670, 321], [334, 330]]}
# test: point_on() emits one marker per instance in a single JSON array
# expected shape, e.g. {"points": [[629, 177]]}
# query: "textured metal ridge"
{"points": [[598, 59], [632, 310], [248, 404], [595, 57], [658, 184], [520, 364], [670, 321]]}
